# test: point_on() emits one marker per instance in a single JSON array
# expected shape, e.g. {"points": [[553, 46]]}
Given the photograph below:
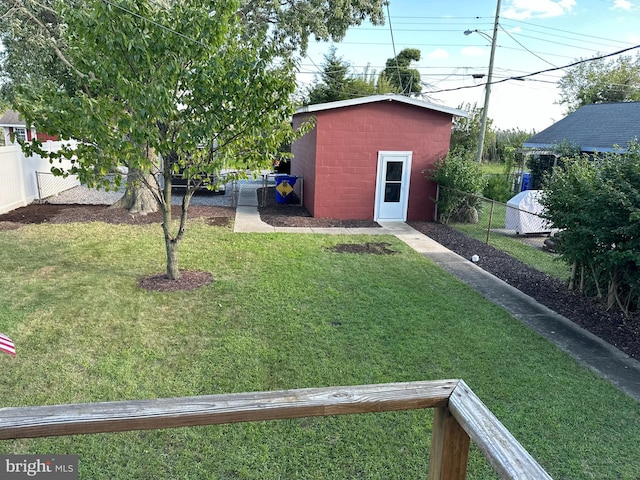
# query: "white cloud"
{"points": [[473, 52], [438, 54], [622, 5], [525, 9]]}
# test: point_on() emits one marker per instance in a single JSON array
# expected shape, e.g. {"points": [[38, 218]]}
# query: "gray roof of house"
{"points": [[595, 128], [382, 98], [11, 118]]}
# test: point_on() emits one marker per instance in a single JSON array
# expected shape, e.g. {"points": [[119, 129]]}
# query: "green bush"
{"points": [[498, 188], [460, 179], [597, 205]]}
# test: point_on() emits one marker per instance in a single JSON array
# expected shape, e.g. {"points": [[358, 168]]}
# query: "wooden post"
{"points": [[490, 220], [449, 448]]}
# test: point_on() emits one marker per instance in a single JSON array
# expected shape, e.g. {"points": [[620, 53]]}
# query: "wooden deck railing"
{"points": [[460, 417]]}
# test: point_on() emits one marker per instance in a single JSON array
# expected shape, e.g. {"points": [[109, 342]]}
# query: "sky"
{"points": [[533, 35]]}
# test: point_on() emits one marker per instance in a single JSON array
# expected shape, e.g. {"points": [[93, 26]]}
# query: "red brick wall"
{"points": [[347, 141], [304, 161]]}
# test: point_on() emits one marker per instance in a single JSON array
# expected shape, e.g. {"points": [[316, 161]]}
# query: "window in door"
{"points": [[393, 182]]}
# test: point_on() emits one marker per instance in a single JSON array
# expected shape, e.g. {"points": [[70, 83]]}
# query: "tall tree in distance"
{"points": [[466, 130], [378, 83], [333, 83], [399, 73], [601, 81], [336, 83]]}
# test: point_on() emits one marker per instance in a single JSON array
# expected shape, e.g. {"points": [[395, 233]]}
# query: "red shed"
{"points": [[365, 157]]}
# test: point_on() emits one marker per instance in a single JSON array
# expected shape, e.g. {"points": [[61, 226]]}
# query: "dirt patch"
{"points": [[287, 215], [71, 213], [610, 326], [9, 226], [189, 280], [375, 248]]}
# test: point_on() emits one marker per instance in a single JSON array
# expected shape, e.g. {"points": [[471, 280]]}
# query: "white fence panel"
{"points": [[19, 177], [12, 179]]}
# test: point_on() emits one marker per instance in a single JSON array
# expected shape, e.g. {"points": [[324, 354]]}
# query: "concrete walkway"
{"points": [[589, 350]]}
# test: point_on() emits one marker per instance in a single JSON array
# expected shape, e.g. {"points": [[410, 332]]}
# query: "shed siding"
{"points": [[347, 142], [304, 161]]}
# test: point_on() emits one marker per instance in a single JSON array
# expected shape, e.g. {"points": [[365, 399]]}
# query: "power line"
{"points": [[523, 77], [532, 53], [393, 43], [579, 34], [558, 43]]}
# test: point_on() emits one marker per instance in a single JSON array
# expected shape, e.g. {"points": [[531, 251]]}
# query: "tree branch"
{"points": [[8, 12], [20, 6]]}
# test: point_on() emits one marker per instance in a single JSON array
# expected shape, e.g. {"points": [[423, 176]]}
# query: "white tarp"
{"points": [[519, 218]]}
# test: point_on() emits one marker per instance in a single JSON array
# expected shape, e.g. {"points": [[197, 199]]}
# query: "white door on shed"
{"points": [[392, 186]]}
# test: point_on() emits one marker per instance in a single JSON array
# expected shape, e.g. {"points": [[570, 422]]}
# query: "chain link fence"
{"points": [[83, 195], [50, 184], [483, 218]]}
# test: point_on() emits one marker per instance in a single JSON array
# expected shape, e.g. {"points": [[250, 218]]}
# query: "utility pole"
{"points": [[487, 92]]}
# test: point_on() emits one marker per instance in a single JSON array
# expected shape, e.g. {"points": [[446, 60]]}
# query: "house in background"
{"points": [[24, 179], [13, 127], [365, 158], [593, 128]]}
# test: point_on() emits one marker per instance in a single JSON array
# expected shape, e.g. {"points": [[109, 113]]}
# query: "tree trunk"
{"points": [[173, 273], [170, 243], [138, 197], [572, 278]]}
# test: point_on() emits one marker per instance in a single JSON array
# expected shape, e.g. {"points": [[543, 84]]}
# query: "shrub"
{"points": [[498, 188], [597, 205], [460, 180]]}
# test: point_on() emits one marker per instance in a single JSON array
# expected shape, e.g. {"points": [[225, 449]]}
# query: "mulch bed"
{"points": [[189, 280], [611, 326], [68, 213], [291, 215]]}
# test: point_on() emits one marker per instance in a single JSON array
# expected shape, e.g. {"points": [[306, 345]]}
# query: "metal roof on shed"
{"points": [[382, 98]]}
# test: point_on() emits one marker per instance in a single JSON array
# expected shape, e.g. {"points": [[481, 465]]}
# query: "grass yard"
{"points": [[542, 261], [283, 312], [492, 168]]}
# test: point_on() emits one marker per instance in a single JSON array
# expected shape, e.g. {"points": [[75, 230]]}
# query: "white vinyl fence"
{"points": [[25, 179]]}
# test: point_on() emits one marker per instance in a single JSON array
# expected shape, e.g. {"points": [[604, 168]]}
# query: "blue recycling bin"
{"points": [[284, 187], [526, 182]]}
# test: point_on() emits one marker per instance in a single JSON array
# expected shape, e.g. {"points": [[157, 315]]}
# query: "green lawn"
{"points": [[539, 259], [494, 168], [283, 312]]}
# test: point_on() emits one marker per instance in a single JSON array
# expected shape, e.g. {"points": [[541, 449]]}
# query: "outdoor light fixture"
{"points": [[483, 123], [485, 35]]}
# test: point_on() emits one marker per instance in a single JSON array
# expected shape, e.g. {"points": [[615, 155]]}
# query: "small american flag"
{"points": [[6, 345]]}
